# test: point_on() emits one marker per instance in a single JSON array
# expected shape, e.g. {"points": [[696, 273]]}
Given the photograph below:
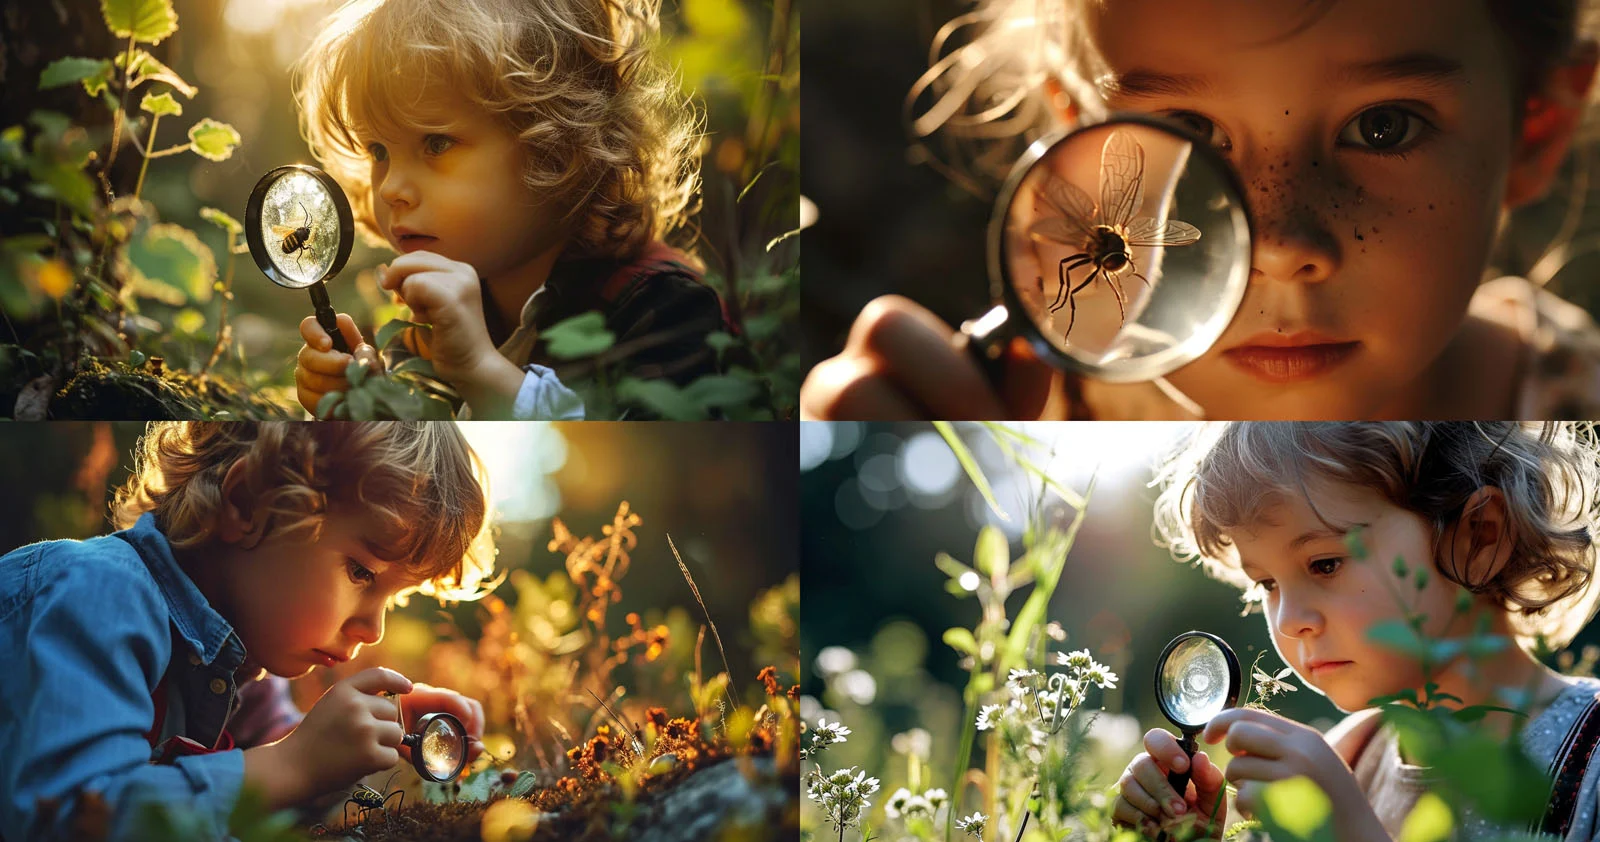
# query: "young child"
{"points": [[1380, 146], [138, 663], [526, 159], [1504, 511]]}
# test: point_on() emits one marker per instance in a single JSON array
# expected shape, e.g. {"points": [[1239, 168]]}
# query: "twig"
{"points": [[714, 634]]}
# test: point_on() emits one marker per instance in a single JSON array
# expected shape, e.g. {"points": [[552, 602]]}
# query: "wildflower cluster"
{"points": [[904, 804], [1036, 706], [843, 795], [822, 736]]}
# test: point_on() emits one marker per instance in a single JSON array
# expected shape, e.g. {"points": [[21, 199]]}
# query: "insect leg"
{"points": [[1063, 269], [1072, 316]]}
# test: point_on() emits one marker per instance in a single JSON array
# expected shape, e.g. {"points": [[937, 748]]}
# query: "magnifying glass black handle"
{"points": [[1180, 780], [327, 318], [986, 339]]}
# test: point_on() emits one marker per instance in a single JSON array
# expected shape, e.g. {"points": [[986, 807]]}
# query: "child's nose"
{"points": [[366, 629], [1293, 242], [1296, 618], [397, 188]]}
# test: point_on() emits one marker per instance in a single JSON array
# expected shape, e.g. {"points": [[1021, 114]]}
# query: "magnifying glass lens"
{"points": [[1125, 245], [444, 748], [1194, 682], [300, 228]]}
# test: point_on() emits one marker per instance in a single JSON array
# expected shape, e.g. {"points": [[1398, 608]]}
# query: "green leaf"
{"points": [[213, 140], [1396, 635], [161, 105], [1297, 805], [583, 335], [720, 341], [171, 256], [961, 640], [1428, 821], [418, 365], [390, 330], [718, 391], [356, 372], [221, 220], [362, 406], [146, 68], [136, 358], [660, 397], [326, 404], [95, 73], [992, 555], [762, 326], [145, 21], [970, 465]]}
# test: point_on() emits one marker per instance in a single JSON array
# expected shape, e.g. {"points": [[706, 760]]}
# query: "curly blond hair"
{"points": [[1224, 477], [604, 129], [420, 480]]}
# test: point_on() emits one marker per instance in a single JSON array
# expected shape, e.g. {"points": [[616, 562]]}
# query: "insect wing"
{"points": [[1121, 178], [282, 230], [1071, 212], [1146, 231]]}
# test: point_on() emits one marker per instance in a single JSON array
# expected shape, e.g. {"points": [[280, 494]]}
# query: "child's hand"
{"points": [[1267, 747], [444, 294], [425, 699], [319, 369], [350, 732], [1146, 800], [900, 364]]}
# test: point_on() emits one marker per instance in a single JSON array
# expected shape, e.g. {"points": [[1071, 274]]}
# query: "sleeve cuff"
{"points": [[542, 397]]}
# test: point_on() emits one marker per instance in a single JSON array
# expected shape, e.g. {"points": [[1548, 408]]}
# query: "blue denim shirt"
{"points": [[87, 630]]}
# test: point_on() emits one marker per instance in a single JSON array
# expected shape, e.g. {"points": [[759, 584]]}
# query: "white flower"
{"points": [[1017, 680], [918, 807], [835, 733], [1079, 659], [916, 742], [896, 805], [973, 824], [988, 716], [1268, 686], [936, 797], [1100, 676]]}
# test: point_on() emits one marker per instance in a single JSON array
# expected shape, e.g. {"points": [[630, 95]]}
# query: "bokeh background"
{"points": [[737, 58], [887, 222], [725, 493], [879, 501]]}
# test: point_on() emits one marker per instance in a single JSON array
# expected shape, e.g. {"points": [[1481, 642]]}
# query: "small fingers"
{"points": [[1165, 749], [1154, 780], [850, 388], [311, 331], [1134, 794], [1125, 814], [347, 326]]}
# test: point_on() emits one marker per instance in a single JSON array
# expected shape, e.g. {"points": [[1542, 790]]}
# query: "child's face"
{"points": [[1320, 603], [294, 604], [458, 192], [1373, 141]]}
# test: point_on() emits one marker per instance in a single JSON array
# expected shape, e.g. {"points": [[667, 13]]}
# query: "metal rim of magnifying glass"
{"points": [[258, 245], [1234, 674], [415, 742], [1155, 365]]}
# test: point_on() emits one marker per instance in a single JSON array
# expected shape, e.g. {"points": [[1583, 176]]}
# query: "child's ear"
{"points": [[1480, 543], [234, 521], [1550, 121]]}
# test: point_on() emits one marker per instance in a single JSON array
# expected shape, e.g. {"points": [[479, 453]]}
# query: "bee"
{"points": [[295, 239], [367, 800], [1103, 234]]}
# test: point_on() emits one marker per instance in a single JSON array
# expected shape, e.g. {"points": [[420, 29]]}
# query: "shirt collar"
{"points": [[197, 622]]}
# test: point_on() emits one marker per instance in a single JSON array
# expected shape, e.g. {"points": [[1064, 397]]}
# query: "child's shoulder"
{"points": [[1351, 734], [1560, 369], [85, 573]]}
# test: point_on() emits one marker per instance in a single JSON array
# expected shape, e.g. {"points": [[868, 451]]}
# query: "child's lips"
{"points": [[1276, 358], [412, 242]]}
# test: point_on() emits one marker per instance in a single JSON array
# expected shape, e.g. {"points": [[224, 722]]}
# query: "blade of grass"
{"points": [[714, 634], [970, 465]]}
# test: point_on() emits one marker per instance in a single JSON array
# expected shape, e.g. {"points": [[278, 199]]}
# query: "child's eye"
{"points": [[377, 152], [1326, 566], [438, 144], [1385, 129], [1204, 127], [359, 574]]}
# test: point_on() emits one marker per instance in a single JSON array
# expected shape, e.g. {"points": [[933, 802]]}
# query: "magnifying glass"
{"points": [[1119, 250], [300, 229], [1197, 677], [439, 747]]}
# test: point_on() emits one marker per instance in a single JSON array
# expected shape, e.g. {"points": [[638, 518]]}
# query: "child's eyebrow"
{"points": [[1430, 69], [1316, 535]]}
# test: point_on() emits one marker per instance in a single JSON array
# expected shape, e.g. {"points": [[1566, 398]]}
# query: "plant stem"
{"points": [[116, 123], [1022, 828], [224, 333], [138, 186]]}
